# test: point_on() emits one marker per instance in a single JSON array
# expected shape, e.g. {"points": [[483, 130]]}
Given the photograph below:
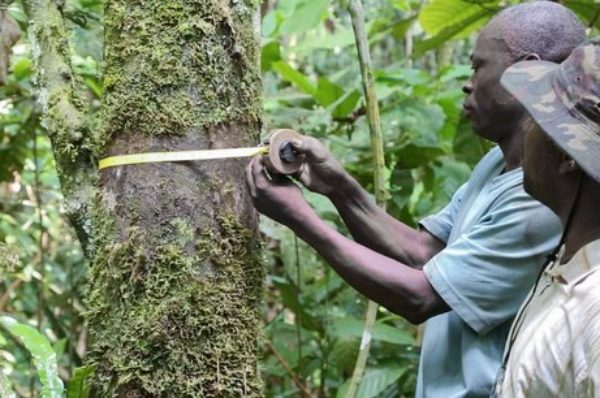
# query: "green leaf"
{"points": [[584, 9], [450, 19], [327, 92], [79, 386], [342, 102], [391, 334], [412, 77], [321, 204], [375, 381], [271, 52], [94, 86], [343, 37], [306, 16], [439, 15], [43, 355], [455, 72], [400, 28], [22, 69], [60, 346], [347, 105], [291, 75], [345, 328], [269, 24], [396, 28], [343, 354], [412, 133]]}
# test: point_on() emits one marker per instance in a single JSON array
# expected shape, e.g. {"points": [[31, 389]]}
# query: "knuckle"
{"points": [[261, 183]]}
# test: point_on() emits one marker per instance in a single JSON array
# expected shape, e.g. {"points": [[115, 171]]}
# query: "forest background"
{"points": [[312, 319]]}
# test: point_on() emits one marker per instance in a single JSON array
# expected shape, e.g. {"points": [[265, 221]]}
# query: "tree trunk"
{"points": [[176, 279]]}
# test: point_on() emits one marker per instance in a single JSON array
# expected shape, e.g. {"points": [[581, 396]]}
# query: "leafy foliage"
{"points": [[313, 320], [43, 355], [79, 386]]}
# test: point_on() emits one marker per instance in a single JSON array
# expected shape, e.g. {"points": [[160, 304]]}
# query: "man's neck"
{"points": [[512, 149], [585, 225]]}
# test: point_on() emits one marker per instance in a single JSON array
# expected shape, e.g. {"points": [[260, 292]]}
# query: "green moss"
{"points": [[186, 325], [63, 110], [186, 65]]}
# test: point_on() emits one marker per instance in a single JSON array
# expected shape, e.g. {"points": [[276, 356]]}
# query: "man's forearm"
{"points": [[398, 287], [371, 226]]}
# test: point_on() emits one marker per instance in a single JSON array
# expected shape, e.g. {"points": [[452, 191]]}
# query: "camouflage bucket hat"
{"points": [[564, 100]]}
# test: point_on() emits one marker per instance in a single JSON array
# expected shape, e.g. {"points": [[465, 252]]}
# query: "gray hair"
{"points": [[545, 28]]}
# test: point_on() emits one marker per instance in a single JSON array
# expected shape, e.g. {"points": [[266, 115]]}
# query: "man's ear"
{"points": [[567, 165], [532, 57]]}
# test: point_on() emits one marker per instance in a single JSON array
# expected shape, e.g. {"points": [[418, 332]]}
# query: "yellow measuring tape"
{"points": [[158, 157]]}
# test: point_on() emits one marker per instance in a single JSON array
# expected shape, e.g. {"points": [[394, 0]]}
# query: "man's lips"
{"points": [[467, 110]]}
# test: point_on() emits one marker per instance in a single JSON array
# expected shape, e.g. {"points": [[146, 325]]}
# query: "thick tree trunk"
{"points": [[176, 278]]}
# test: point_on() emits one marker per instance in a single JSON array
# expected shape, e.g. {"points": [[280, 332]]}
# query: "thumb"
{"points": [[309, 146], [298, 145]]}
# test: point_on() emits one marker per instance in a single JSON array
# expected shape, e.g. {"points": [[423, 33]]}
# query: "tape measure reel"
{"points": [[280, 155]]}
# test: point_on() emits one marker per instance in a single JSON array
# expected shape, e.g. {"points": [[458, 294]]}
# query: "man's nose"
{"points": [[467, 88]]}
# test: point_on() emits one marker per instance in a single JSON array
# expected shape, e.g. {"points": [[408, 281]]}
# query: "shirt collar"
{"points": [[586, 258]]}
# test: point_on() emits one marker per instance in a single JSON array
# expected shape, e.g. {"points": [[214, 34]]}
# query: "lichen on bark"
{"points": [[63, 113]]}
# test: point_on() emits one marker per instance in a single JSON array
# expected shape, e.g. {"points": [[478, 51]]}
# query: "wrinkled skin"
{"points": [[280, 199], [321, 172], [493, 112]]}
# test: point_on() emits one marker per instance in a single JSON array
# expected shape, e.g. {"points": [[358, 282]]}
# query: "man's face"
{"points": [[492, 110], [541, 166]]}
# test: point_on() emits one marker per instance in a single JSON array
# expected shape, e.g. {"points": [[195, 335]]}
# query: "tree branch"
{"points": [[380, 179], [64, 113]]}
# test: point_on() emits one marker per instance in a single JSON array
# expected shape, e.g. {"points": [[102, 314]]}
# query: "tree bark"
{"points": [[176, 279]]}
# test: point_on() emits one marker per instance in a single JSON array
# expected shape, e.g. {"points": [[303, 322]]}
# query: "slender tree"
{"points": [[176, 281]]}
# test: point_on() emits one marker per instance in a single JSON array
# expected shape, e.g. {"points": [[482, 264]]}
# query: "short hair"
{"points": [[545, 28]]}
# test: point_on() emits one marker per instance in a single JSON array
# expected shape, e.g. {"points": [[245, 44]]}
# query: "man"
{"points": [[554, 345], [469, 267]]}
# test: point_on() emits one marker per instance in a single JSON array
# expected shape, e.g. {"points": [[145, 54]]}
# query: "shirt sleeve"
{"points": [[485, 274], [440, 224]]}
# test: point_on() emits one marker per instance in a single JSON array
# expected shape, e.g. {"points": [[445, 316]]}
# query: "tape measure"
{"points": [[282, 158], [160, 157]]}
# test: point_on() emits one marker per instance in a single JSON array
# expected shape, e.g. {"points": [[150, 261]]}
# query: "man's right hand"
{"points": [[321, 172]]}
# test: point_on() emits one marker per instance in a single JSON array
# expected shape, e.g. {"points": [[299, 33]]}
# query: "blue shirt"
{"points": [[497, 238]]}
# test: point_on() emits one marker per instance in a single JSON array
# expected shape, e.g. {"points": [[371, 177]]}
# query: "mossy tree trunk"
{"points": [[176, 280]]}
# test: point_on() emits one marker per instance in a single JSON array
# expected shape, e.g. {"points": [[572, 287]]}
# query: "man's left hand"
{"points": [[274, 195]]}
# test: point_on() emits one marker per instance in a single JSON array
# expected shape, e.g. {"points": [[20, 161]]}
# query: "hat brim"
{"points": [[531, 83]]}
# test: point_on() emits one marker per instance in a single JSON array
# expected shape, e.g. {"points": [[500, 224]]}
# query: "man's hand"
{"points": [[320, 172], [275, 196]]}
